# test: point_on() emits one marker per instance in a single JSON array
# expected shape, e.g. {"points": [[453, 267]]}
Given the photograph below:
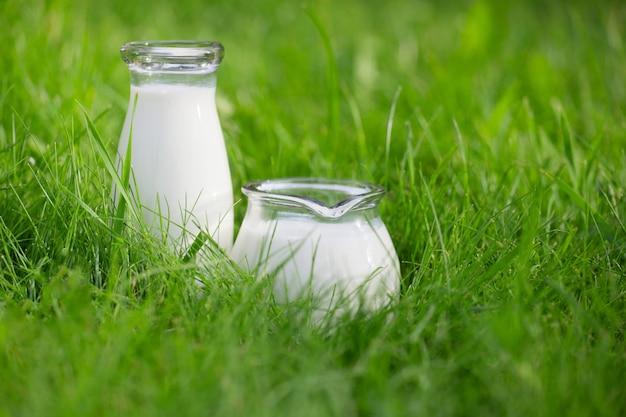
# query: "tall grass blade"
{"points": [[442, 243], [120, 183], [331, 69], [390, 119]]}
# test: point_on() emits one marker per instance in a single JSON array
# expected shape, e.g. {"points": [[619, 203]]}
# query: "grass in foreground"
{"points": [[498, 131]]}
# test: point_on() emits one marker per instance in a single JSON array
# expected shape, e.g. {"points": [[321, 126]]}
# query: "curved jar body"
{"points": [[320, 238], [180, 173]]}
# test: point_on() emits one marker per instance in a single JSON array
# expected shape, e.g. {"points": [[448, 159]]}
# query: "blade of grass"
{"points": [[392, 112], [442, 244], [331, 68], [573, 194], [121, 183]]}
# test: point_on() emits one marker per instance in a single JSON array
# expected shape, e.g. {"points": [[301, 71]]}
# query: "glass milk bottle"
{"points": [[321, 238], [180, 174]]}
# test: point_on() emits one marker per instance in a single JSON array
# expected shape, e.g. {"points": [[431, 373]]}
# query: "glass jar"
{"points": [[321, 238], [180, 173]]}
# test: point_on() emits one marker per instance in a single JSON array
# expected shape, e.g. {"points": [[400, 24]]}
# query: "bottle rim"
{"points": [[173, 56], [342, 195]]}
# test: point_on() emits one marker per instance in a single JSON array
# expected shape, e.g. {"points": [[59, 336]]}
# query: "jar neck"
{"points": [[267, 210], [320, 199]]}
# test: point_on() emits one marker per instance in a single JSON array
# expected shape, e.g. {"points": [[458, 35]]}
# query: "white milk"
{"points": [[179, 161], [351, 258]]}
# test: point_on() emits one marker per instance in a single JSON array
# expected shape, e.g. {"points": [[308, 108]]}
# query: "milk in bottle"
{"points": [[180, 173]]}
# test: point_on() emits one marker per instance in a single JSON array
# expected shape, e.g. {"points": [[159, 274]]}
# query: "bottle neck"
{"points": [[191, 63], [141, 77]]}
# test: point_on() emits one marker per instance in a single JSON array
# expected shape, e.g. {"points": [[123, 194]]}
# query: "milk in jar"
{"points": [[340, 254]]}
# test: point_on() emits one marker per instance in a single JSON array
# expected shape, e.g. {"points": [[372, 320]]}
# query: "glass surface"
{"points": [[327, 198], [173, 62]]}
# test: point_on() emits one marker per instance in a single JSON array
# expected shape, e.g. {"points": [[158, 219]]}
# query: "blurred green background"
{"points": [[498, 129], [473, 62]]}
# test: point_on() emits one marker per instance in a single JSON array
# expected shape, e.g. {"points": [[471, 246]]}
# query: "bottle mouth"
{"points": [[327, 198], [173, 56]]}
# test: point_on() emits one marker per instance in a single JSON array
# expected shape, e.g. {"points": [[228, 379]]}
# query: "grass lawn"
{"points": [[498, 129]]}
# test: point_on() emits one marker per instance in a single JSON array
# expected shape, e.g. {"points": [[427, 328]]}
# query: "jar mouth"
{"points": [[327, 198], [173, 56]]}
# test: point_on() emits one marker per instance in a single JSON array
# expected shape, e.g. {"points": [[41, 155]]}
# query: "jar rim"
{"points": [[173, 56], [304, 192]]}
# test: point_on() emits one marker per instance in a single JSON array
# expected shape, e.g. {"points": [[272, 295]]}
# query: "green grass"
{"points": [[497, 128]]}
